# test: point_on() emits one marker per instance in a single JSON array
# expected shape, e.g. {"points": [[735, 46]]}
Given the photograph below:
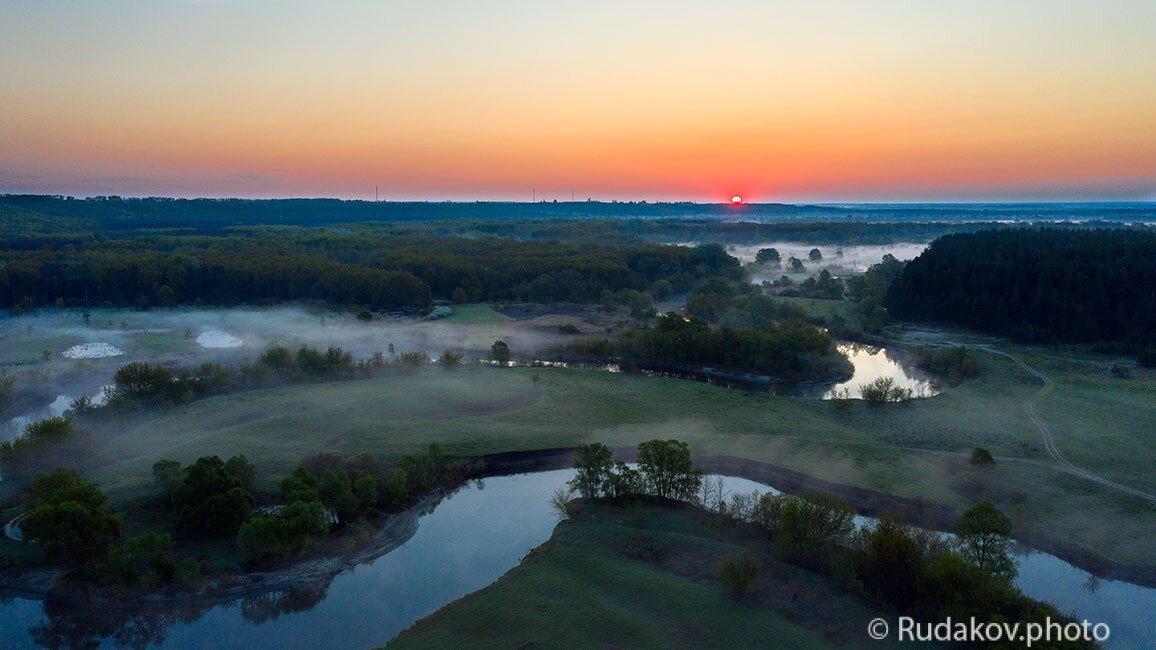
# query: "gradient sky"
{"points": [[626, 99]]}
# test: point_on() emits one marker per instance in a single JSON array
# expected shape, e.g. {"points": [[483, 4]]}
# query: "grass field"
{"points": [[919, 450], [580, 590]]}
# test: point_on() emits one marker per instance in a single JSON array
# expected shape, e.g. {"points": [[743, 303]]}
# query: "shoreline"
{"points": [[397, 528]]}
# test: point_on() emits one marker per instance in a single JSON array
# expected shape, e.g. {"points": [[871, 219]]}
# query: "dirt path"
{"points": [[1049, 442]]}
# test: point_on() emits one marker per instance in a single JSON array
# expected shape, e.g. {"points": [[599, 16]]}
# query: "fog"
{"points": [[841, 261], [57, 355]]}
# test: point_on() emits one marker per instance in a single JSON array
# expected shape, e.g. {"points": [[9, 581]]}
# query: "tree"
{"points": [[500, 352], [984, 538], [336, 492], [768, 256], [148, 559], [241, 469], [667, 469], [593, 462], [276, 537], [69, 519], [892, 562], [143, 381], [796, 265], [366, 490], [535, 378], [807, 528], [815, 255], [167, 474], [623, 481], [210, 500]]}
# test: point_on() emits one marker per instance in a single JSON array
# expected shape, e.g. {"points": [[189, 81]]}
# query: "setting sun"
{"points": [[736, 199]]}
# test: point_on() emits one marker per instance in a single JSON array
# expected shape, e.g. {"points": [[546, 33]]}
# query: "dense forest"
{"points": [[790, 350], [22, 215], [1038, 285], [371, 270]]}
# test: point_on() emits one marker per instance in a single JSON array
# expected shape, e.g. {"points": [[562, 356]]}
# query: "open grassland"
{"points": [[580, 590], [917, 450], [1100, 422]]}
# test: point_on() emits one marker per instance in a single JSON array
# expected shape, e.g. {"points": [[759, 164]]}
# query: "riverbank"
{"points": [[393, 530], [644, 577], [865, 502]]}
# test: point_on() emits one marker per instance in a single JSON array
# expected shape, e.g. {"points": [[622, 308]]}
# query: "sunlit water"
{"points": [[474, 537], [871, 363]]}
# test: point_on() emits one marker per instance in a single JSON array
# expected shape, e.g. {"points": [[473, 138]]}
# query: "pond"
{"points": [[467, 542], [871, 363]]}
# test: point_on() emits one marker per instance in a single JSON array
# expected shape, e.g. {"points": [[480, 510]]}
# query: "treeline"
{"points": [[375, 270], [790, 350], [40, 214], [328, 491], [71, 522], [921, 573], [1038, 285]]}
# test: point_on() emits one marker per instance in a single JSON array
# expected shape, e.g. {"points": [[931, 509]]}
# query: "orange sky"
{"points": [[645, 99]]}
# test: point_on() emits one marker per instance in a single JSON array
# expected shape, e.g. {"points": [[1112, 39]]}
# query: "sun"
{"points": [[736, 200]]}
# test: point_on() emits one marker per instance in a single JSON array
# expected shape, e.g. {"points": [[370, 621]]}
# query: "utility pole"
{"points": [[534, 194], [376, 198]]}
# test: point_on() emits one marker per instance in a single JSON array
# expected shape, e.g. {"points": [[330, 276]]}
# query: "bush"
{"points": [[412, 359], [884, 390], [647, 548], [981, 456], [450, 359], [807, 529], [737, 570], [955, 364]]}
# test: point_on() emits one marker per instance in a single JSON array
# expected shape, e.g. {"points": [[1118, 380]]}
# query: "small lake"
{"points": [[467, 542], [871, 363]]}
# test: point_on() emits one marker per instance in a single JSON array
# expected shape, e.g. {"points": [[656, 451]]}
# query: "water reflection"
{"points": [[871, 363], [462, 545]]}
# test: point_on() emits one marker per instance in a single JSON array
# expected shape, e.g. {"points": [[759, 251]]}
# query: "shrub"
{"points": [[450, 359], [884, 390], [806, 529], [737, 570], [981, 456], [412, 359], [647, 548], [1120, 371]]}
